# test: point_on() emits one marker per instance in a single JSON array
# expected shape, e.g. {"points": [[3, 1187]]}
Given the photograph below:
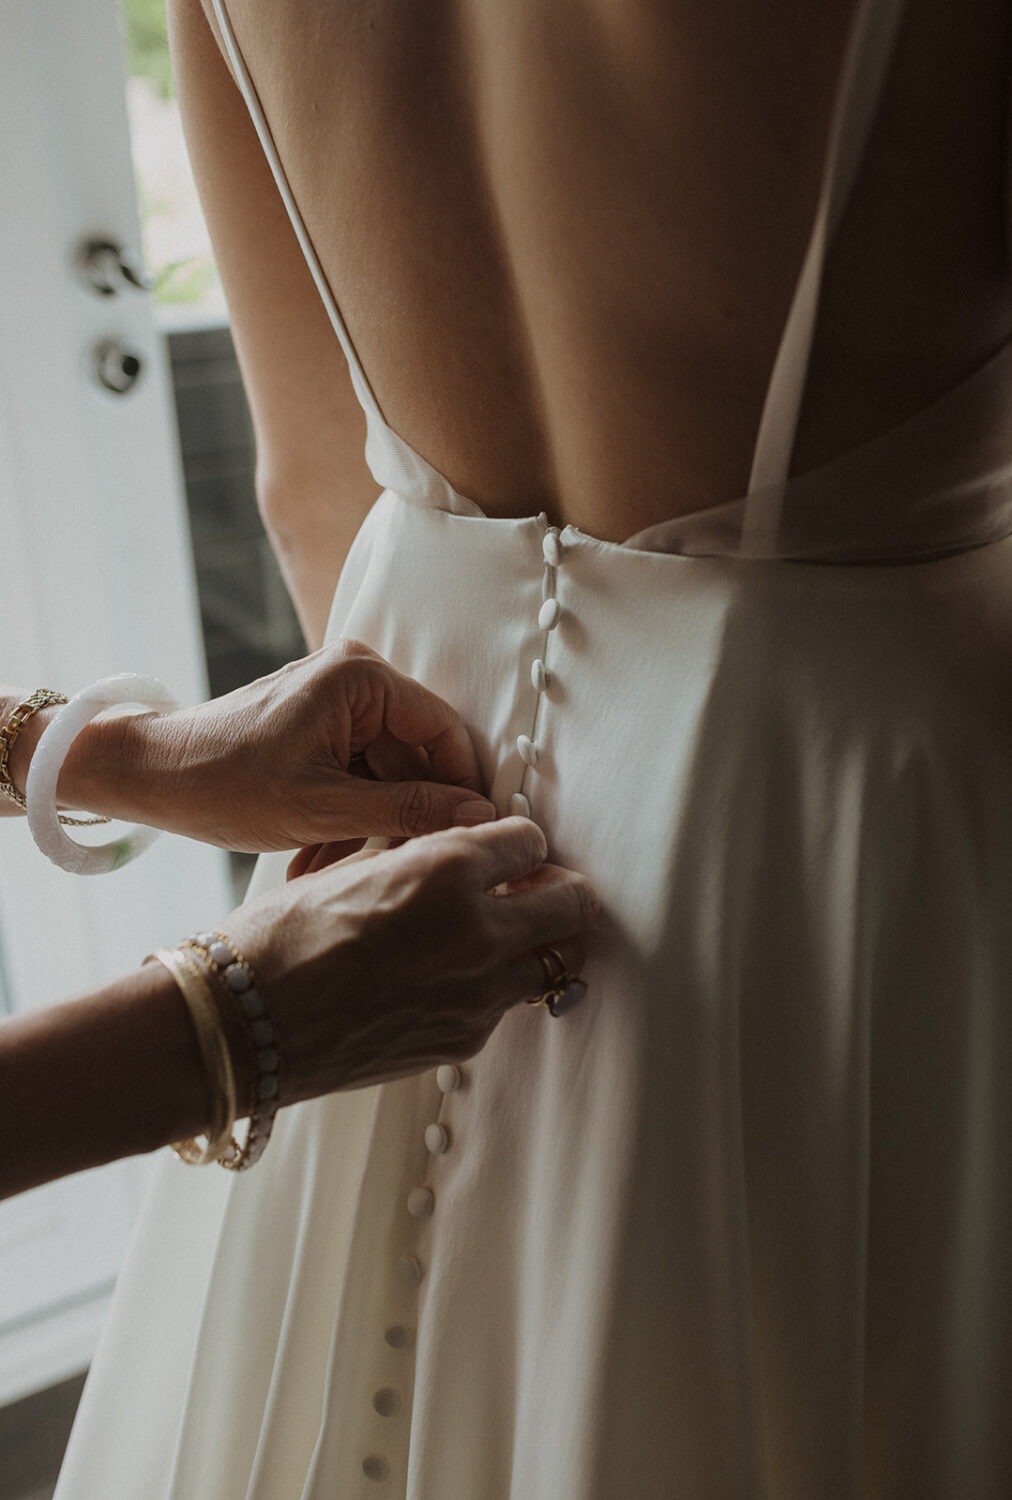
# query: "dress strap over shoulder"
{"points": [[393, 463], [866, 62], [363, 389]]}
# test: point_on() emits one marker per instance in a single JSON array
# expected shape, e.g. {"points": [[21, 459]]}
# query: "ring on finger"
{"points": [[563, 990]]}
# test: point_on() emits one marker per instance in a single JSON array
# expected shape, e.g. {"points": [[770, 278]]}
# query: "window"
{"points": [[177, 252]]}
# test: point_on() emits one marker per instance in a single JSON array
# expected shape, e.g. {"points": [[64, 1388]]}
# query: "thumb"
{"points": [[405, 809]]}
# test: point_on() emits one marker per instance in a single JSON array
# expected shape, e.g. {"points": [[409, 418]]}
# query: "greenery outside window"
{"points": [[177, 252]]}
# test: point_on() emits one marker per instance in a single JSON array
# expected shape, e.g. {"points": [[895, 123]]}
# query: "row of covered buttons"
{"points": [[421, 1200], [548, 617], [387, 1401]]}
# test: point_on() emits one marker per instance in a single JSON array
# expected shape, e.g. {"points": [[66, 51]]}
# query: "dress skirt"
{"points": [[739, 1227]]}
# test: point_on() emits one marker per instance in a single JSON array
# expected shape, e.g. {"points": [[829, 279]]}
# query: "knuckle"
{"points": [[454, 857], [522, 844], [438, 887], [349, 649], [587, 905], [532, 844], [415, 807]]}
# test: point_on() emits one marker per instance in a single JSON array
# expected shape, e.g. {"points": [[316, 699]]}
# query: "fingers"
{"points": [[413, 742], [302, 862], [387, 758], [406, 809], [505, 851], [413, 715], [529, 977], [531, 906], [525, 980], [552, 906], [538, 899], [417, 717]]}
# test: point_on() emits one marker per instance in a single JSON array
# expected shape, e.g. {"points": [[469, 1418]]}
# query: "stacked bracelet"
{"points": [[236, 978], [208, 968], [50, 753], [9, 731], [195, 985]]}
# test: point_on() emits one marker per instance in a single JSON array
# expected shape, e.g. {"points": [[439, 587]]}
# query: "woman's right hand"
{"points": [[388, 964]]}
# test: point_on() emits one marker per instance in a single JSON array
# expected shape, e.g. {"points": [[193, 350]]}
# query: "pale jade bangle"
{"points": [[47, 762]]}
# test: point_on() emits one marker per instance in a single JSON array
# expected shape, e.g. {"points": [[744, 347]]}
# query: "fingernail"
{"points": [[470, 813]]}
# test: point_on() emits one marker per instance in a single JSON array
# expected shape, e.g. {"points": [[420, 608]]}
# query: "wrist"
{"points": [[28, 737], [106, 770]]}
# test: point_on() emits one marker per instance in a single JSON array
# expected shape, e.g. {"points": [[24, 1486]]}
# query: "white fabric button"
{"points": [[539, 676], [527, 749], [397, 1336], [519, 805], [387, 1402], [375, 1467], [410, 1270], [551, 549], [421, 1202], [437, 1139], [548, 614], [447, 1078]]}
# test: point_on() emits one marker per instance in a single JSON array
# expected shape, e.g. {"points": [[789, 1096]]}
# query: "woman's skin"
{"points": [[279, 763], [564, 238], [374, 967]]}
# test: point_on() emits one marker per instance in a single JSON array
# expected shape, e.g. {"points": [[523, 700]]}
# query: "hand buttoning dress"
{"points": [[739, 1226]]}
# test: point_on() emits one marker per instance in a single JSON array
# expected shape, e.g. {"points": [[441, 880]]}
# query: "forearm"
{"points": [[147, 768], [311, 525], [268, 766], [112, 1074]]}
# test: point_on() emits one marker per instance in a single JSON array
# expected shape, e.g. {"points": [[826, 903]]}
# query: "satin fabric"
{"points": [[737, 1226]]}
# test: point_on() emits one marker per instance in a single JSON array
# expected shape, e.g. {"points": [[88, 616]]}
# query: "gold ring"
{"points": [[556, 973], [563, 990]]}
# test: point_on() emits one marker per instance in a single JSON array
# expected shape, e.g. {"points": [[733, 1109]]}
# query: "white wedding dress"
{"points": [[740, 1225]]}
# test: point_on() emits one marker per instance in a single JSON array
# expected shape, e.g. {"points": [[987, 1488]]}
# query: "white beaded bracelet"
{"points": [[238, 981], [47, 762]]}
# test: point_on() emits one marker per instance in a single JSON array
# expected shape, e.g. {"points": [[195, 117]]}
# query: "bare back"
{"points": [[564, 237]]}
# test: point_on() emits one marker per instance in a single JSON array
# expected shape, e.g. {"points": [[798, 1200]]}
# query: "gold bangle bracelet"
{"points": [[9, 731], [195, 986]]}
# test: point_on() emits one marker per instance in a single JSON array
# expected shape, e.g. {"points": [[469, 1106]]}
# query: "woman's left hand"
{"points": [[287, 761]]}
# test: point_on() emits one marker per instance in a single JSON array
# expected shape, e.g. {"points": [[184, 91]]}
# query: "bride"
{"points": [[677, 339]]}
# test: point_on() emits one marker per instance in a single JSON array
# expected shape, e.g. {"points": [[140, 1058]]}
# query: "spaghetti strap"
{"points": [[363, 389], [866, 63], [394, 464]]}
